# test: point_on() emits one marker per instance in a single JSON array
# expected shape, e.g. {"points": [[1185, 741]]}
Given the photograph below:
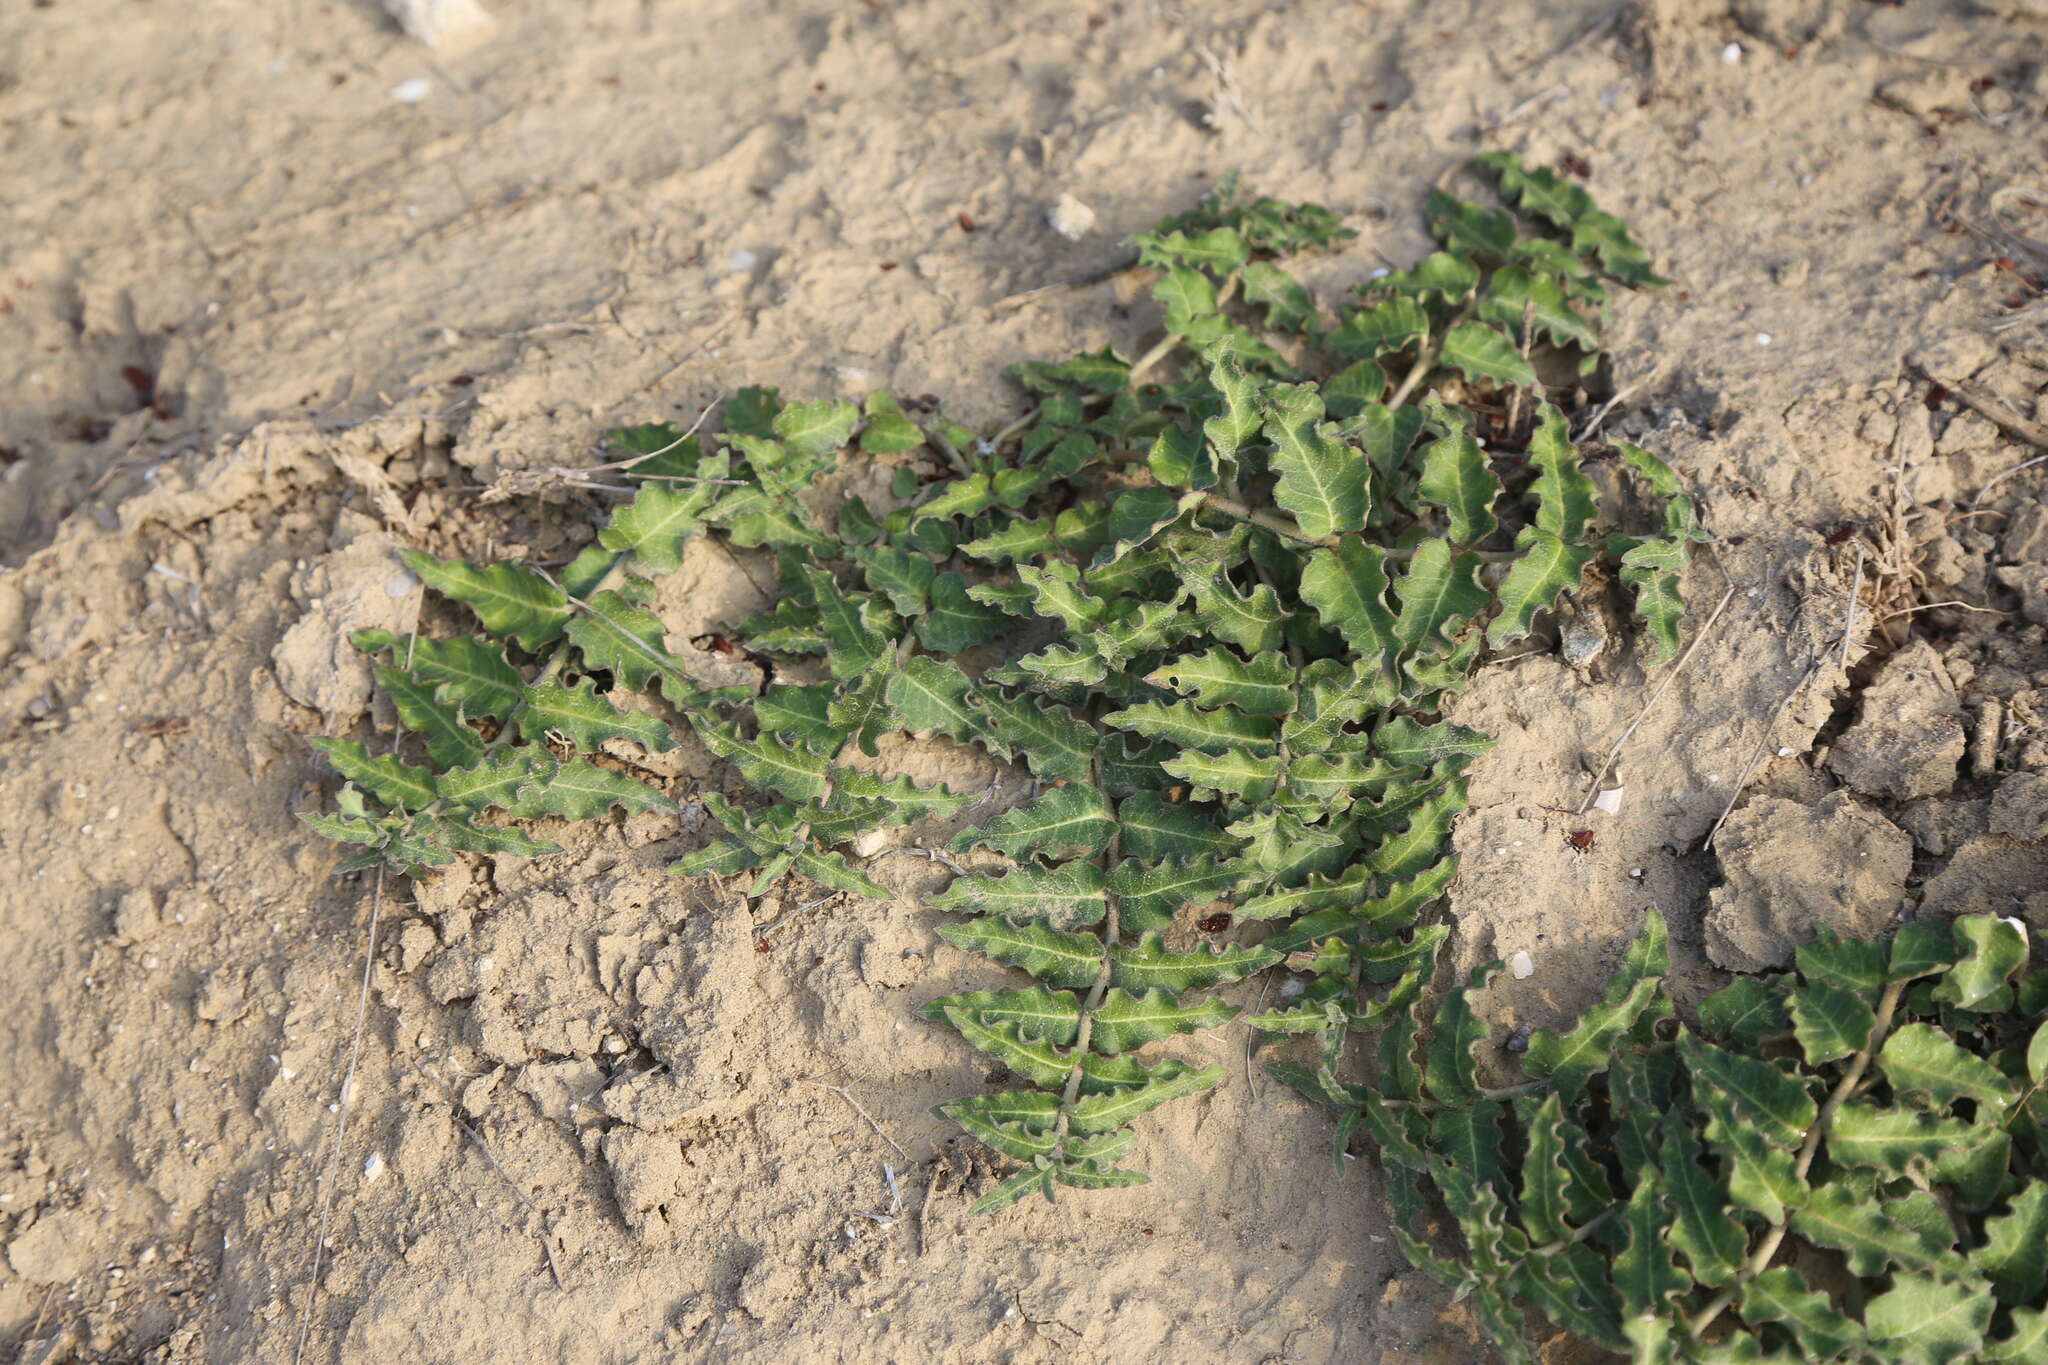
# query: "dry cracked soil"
{"points": [[281, 287]]}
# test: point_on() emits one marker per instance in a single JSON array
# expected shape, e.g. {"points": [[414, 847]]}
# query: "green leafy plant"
{"points": [[1213, 602], [1845, 1162]]}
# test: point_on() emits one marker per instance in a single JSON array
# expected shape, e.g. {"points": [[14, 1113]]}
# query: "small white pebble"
{"points": [[1732, 53], [412, 91], [1071, 218], [1498, 852], [400, 586], [373, 1168], [1785, 751], [1763, 338], [1713, 778], [436, 22], [1381, 272], [1609, 801], [741, 260], [1520, 967]]}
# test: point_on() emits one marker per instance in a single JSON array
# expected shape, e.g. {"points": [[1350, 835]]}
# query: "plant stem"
{"points": [[1016, 428], [1505, 1092], [1096, 992], [953, 457], [1023, 423], [1579, 1236], [1155, 355], [1281, 526], [1278, 525], [1887, 1005], [1168, 342], [1509, 1092], [1425, 360]]}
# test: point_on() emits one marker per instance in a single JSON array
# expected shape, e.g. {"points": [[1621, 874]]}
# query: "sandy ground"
{"points": [[244, 285]]}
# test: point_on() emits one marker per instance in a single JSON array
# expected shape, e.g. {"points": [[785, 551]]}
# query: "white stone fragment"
{"points": [[1732, 53], [373, 1168], [1609, 801], [411, 91], [1521, 967], [741, 260], [438, 23], [1071, 218]]}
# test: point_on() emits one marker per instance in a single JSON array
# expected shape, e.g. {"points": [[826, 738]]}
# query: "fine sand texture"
{"points": [[283, 287]]}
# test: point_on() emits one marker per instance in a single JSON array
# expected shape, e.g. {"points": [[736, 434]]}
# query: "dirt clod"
{"points": [[2019, 808], [1793, 870], [1909, 738], [56, 1249]]}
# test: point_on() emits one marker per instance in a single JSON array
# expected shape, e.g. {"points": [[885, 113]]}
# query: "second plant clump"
{"points": [[1844, 1163], [1214, 602]]}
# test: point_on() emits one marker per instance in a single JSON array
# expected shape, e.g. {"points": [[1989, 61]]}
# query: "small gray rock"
{"points": [[137, 916], [1793, 870], [2030, 581], [1941, 825], [1990, 875], [56, 1249], [2019, 808], [1909, 739], [648, 1178], [2026, 536]]}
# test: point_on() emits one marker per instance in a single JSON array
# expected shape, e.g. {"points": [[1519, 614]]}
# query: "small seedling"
{"points": [[1213, 602]]}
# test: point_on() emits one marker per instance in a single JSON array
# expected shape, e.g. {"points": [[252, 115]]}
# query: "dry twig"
{"points": [[346, 1106], [1820, 658], [1614, 750], [847, 1095]]}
